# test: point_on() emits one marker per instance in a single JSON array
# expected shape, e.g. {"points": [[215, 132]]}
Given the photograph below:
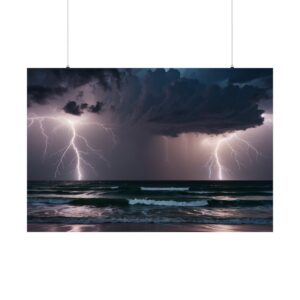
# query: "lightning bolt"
{"points": [[215, 163], [217, 159], [250, 146], [108, 130], [45, 136], [74, 144], [71, 145]]}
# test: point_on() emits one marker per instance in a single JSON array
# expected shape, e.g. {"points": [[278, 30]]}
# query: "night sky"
{"points": [[150, 124]]}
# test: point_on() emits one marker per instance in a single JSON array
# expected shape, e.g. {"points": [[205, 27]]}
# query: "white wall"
{"points": [[156, 33]]}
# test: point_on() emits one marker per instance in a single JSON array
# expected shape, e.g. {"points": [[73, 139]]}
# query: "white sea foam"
{"points": [[250, 197], [200, 192], [67, 196], [171, 189], [112, 187], [166, 202]]}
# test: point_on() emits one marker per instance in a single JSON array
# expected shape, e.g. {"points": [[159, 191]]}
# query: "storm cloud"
{"points": [[40, 94], [73, 108], [162, 101], [46, 84], [189, 106], [96, 108], [170, 104], [231, 75]]}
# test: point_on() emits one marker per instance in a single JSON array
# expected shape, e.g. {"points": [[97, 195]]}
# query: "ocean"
{"points": [[149, 205]]}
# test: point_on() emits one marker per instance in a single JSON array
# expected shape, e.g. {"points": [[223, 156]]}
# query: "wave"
{"points": [[50, 201], [113, 187], [170, 189], [102, 202], [167, 202], [201, 192], [241, 198], [65, 196]]}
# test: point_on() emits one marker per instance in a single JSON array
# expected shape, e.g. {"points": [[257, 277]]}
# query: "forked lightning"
{"points": [[79, 149]]}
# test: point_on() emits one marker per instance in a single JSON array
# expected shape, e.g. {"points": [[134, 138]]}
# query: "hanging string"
{"points": [[68, 34], [232, 34]]}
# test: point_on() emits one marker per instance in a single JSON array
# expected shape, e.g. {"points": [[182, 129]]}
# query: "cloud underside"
{"points": [[207, 122], [164, 101], [44, 84], [170, 104], [73, 108]]}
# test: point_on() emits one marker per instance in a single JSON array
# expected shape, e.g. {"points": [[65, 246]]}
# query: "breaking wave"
{"points": [[167, 202], [170, 189], [114, 187]]}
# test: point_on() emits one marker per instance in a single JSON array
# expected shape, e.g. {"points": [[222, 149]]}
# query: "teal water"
{"points": [[159, 202]]}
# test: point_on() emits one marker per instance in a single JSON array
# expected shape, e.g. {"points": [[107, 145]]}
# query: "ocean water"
{"points": [[150, 202]]}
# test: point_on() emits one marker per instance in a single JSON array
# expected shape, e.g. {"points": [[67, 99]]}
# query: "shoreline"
{"points": [[148, 228]]}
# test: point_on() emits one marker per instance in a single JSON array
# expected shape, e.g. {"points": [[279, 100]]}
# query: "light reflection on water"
{"points": [[69, 211], [148, 228], [230, 212]]}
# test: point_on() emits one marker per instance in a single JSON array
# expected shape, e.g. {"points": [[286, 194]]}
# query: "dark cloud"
{"points": [[96, 108], [231, 75], [247, 75], [164, 102], [192, 107], [169, 104], [44, 84], [40, 94], [73, 108], [84, 105]]}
